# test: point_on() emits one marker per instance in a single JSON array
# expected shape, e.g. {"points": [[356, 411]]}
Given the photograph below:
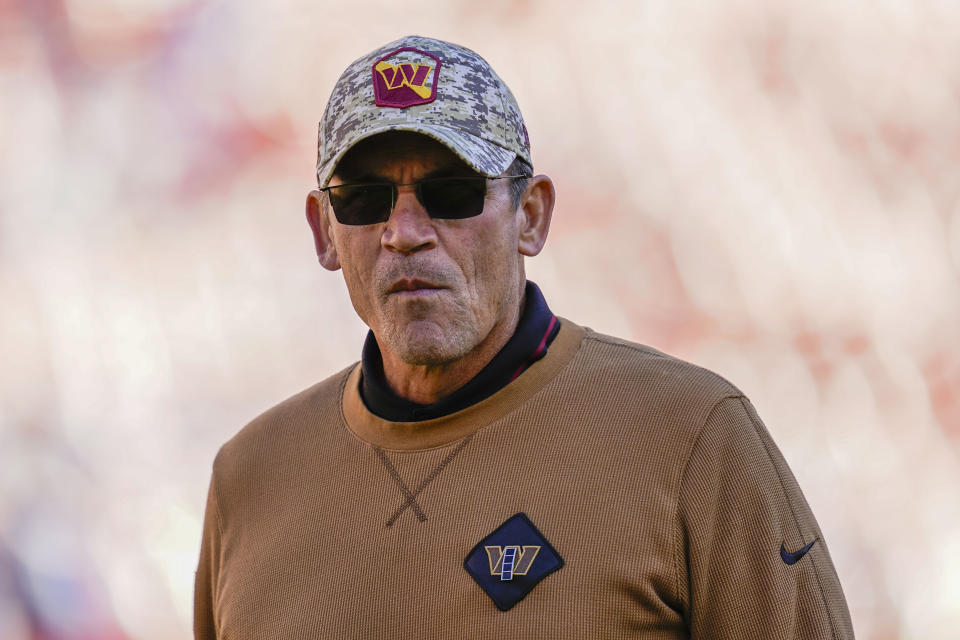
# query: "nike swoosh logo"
{"points": [[792, 558]]}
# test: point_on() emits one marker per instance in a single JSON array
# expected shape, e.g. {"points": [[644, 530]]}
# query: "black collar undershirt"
{"points": [[535, 331]]}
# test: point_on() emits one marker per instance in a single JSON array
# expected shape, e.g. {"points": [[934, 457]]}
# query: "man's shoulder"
{"points": [[638, 371], [301, 417]]}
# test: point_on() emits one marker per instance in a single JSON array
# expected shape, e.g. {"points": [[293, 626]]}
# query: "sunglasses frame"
{"points": [[394, 186]]}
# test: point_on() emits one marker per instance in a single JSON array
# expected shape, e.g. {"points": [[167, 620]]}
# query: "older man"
{"points": [[488, 469]]}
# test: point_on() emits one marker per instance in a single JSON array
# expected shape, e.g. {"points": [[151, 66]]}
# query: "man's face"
{"points": [[432, 290]]}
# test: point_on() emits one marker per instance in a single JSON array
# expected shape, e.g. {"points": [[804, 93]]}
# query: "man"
{"points": [[488, 469]]}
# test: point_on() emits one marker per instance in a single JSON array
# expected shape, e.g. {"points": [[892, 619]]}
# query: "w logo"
{"points": [[511, 560], [405, 77]]}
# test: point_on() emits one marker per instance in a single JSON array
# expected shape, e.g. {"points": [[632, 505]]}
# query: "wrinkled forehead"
{"points": [[392, 153]]}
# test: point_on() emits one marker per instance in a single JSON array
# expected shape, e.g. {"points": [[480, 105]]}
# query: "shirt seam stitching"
{"points": [[616, 343], [219, 521], [216, 505], [733, 391], [683, 473]]}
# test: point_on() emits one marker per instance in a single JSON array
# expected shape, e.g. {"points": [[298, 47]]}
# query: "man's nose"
{"points": [[409, 228]]}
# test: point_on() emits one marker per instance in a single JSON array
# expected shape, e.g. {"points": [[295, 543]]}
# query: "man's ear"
{"points": [[320, 226], [534, 213]]}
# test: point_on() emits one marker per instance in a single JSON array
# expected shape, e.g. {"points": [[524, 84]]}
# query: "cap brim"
{"points": [[485, 157]]}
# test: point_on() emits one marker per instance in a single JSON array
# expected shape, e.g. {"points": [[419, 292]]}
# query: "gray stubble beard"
{"points": [[451, 340]]}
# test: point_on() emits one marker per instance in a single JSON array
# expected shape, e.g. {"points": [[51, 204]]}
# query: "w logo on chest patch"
{"points": [[511, 561]]}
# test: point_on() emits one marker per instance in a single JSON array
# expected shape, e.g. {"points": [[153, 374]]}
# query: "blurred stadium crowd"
{"points": [[768, 189]]}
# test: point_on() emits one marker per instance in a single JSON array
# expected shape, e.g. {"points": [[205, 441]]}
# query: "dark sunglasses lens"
{"points": [[361, 204], [453, 198]]}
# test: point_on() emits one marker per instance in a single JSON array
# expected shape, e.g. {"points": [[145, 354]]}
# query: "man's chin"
{"points": [[426, 343]]}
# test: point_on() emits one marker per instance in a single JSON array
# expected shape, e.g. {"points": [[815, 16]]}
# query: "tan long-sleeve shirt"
{"points": [[654, 505]]}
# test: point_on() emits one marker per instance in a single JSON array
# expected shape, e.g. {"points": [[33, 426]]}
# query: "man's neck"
{"points": [[426, 384]]}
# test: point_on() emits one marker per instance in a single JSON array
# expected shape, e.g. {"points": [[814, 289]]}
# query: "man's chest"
{"points": [[381, 543]]}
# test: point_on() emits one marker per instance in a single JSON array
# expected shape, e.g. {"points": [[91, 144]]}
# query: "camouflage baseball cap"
{"points": [[432, 87]]}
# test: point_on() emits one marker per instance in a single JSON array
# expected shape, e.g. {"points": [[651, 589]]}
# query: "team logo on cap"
{"points": [[405, 77]]}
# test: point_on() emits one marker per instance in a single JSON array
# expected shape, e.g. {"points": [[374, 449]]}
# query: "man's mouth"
{"points": [[412, 286]]}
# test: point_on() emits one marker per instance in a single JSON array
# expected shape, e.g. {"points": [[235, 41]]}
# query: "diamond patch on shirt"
{"points": [[511, 561]]}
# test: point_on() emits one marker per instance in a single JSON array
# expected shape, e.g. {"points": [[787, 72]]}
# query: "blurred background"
{"points": [[770, 189]]}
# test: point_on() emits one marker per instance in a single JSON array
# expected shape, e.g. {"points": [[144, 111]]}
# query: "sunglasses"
{"points": [[443, 198]]}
